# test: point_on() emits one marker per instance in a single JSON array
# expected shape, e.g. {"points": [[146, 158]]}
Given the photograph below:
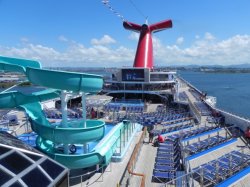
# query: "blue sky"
{"points": [[86, 33]]}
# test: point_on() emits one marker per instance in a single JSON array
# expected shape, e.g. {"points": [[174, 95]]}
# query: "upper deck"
{"points": [[140, 80]]}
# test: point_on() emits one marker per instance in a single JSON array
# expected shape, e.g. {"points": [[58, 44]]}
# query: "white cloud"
{"points": [[179, 40], [76, 54], [62, 38], [204, 50], [209, 36], [235, 50], [24, 40], [105, 40]]}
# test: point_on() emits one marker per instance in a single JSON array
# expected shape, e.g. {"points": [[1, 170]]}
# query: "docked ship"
{"points": [[86, 131]]}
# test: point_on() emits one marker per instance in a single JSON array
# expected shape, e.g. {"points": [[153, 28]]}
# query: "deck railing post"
{"points": [[127, 131], [124, 136], [84, 112], [230, 165], [202, 177], [217, 171], [120, 141], [64, 116], [132, 125]]}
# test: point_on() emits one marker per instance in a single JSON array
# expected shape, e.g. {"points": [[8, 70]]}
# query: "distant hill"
{"points": [[193, 66], [246, 65]]}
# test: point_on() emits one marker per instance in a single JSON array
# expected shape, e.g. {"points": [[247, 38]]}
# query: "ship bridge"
{"points": [[140, 82]]}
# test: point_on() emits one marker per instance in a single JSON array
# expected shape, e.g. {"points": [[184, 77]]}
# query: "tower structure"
{"points": [[144, 52]]}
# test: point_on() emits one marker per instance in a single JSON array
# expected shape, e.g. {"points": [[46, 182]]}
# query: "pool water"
{"points": [[91, 145], [30, 139]]}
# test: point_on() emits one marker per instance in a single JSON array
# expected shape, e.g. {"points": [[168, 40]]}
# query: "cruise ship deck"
{"points": [[205, 151], [108, 142], [203, 162]]}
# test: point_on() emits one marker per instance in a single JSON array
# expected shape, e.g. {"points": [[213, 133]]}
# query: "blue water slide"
{"points": [[101, 154], [74, 132], [62, 80], [17, 64]]}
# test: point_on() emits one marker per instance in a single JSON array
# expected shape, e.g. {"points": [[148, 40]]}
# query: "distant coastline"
{"points": [[215, 70], [225, 70]]}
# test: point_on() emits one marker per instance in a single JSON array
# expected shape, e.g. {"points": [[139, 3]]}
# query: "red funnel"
{"points": [[144, 53]]}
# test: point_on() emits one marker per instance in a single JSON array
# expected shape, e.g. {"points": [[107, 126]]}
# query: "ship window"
{"points": [[15, 163], [4, 177], [133, 75], [16, 184], [3, 150], [159, 77], [53, 173], [36, 178]]}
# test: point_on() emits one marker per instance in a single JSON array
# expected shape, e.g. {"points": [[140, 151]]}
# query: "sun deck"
{"points": [[232, 142], [188, 128]]}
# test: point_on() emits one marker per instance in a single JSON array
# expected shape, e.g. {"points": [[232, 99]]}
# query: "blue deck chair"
{"points": [[165, 162], [225, 160], [245, 157], [165, 168], [164, 175]]}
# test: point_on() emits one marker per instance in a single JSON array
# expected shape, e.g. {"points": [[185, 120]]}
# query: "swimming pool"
{"points": [[30, 139]]}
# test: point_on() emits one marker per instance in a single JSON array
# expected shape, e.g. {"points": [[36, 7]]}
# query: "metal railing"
{"points": [[134, 157], [85, 179], [195, 111], [197, 177], [215, 108]]}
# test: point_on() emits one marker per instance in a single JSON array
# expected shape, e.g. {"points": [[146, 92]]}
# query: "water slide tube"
{"points": [[76, 82], [101, 154], [17, 64], [50, 135]]}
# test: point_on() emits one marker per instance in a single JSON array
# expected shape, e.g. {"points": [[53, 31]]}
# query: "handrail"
{"points": [[215, 108], [134, 158], [195, 110], [231, 113]]}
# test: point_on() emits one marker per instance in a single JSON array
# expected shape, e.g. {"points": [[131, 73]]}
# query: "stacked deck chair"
{"points": [[205, 144], [167, 161], [190, 133], [218, 170]]}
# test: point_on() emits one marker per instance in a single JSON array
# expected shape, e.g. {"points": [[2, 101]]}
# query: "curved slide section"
{"points": [[50, 135], [100, 155], [62, 80], [14, 99], [17, 64], [74, 131], [12, 68]]}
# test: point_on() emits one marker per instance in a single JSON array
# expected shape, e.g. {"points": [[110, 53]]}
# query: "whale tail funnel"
{"points": [[144, 52]]}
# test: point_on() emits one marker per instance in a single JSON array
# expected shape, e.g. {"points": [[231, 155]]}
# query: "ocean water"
{"points": [[232, 90]]}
